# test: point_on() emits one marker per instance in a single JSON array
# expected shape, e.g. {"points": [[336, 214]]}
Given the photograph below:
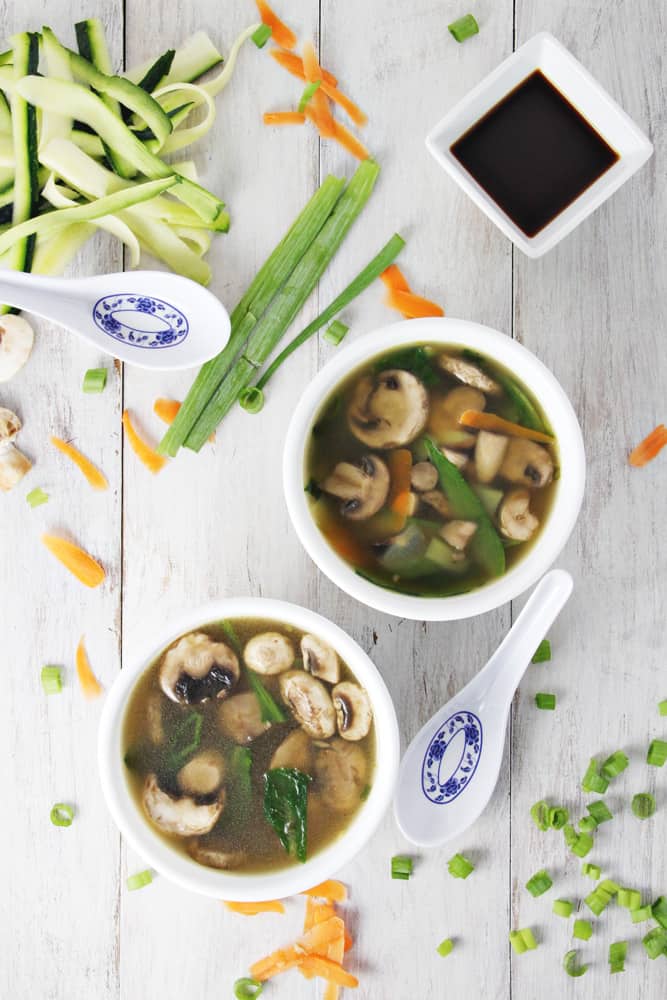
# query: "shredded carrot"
{"points": [[332, 992], [400, 465], [294, 65], [166, 410], [349, 941], [332, 889], [325, 968], [278, 961], [252, 909], [320, 936], [413, 306], [338, 97], [90, 685], [142, 450], [348, 141], [284, 118], [73, 558], [311, 64], [394, 279], [96, 479], [319, 113], [281, 34], [651, 446], [492, 422]]}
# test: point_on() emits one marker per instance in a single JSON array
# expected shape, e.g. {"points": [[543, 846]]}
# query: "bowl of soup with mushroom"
{"points": [[251, 751], [434, 469]]}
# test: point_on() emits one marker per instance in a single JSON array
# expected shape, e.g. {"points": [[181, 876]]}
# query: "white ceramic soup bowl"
{"points": [[569, 488], [177, 866]]}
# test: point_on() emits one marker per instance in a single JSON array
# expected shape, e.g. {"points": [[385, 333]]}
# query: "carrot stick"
{"points": [[73, 558], [324, 968], [275, 963], [492, 422], [294, 65], [281, 34], [332, 992], [311, 64], [90, 685], [413, 306], [320, 936], [338, 97], [349, 940], [141, 449], [331, 889], [252, 909], [284, 118], [400, 464], [647, 449], [350, 142], [394, 279], [96, 479], [167, 410]]}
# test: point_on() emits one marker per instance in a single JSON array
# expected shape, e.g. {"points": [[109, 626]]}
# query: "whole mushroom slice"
{"points": [[437, 500], [423, 477], [443, 422], [458, 533], [309, 702], [362, 486], [198, 668], [489, 454], [353, 710], [320, 659], [388, 410], [296, 750], [16, 340], [203, 774], [240, 718], [516, 519], [180, 814], [469, 373], [13, 463], [216, 857], [269, 653], [341, 770], [527, 463]]}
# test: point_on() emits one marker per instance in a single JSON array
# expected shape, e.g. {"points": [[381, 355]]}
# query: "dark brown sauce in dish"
{"points": [[534, 153]]}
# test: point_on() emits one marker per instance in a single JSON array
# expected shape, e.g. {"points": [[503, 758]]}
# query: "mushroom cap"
{"points": [[197, 668], [489, 454], [269, 653], [515, 516], [10, 425], [388, 410], [320, 659], [309, 702], [183, 814], [443, 422], [216, 857], [296, 750], [341, 769], [13, 466], [527, 463], [458, 533], [469, 373], [423, 476], [240, 718], [16, 340], [363, 486], [353, 710], [437, 500], [203, 774]]}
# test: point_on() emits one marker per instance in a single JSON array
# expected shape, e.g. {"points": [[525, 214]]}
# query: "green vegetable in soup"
{"points": [[489, 497], [185, 740], [270, 710], [416, 360], [285, 806], [527, 415]]}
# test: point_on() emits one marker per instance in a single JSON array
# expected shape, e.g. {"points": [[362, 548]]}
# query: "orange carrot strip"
{"points": [[348, 105], [284, 118], [413, 306], [394, 279], [318, 105], [332, 889], [252, 909], [294, 65], [311, 64], [90, 685], [349, 940], [350, 142], [332, 992], [166, 410], [73, 558], [400, 465], [96, 479], [341, 539], [651, 446], [324, 968], [275, 963], [492, 422], [316, 913], [141, 449], [319, 937], [281, 34]]}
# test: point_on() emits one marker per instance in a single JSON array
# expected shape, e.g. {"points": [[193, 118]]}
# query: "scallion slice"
{"points": [[252, 399], [270, 710], [592, 871], [37, 497], [539, 883], [231, 636], [260, 38], [464, 27], [401, 867], [641, 914], [613, 765], [308, 93], [247, 989], [662, 707], [655, 942], [570, 964], [459, 866], [629, 899], [336, 332], [445, 947], [558, 817], [617, 952], [544, 700], [52, 680], [597, 901], [593, 781], [659, 911], [139, 880], [599, 811], [543, 652], [95, 380], [563, 908], [540, 814], [582, 929], [657, 753], [61, 814], [580, 844], [643, 805], [587, 824], [523, 940]]}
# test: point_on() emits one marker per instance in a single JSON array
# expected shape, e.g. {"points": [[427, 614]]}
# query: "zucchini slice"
{"points": [[25, 55], [195, 57]]}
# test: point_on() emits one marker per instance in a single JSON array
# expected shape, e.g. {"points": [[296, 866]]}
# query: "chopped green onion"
{"points": [[365, 792], [336, 332], [587, 824], [52, 680], [445, 947], [539, 883], [540, 814], [570, 834], [662, 707], [401, 867], [563, 908], [655, 942], [579, 843], [543, 652], [592, 781], [270, 710], [543, 700], [643, 805], [464, 27], [523, 940], [260, 38], [629, 899], [62, 814], [570, 965], [37, 497], [582, 929], [614, 764], [139, 880], [558, 817], [659, 911], [608, 886], [308, 93], [641, 914], [592, 871], [230, 635], [246, 989], [251, 399], [597, 901], [459, 866], [617, 952], [95, 380], [657, 753], [599, 811]]}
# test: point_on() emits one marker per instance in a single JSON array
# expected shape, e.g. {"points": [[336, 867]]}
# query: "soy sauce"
{"points": [[534, 153]]}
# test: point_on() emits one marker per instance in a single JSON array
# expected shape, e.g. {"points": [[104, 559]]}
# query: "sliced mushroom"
{"points": [[16, 340], [203, 774], [527, 464], [444, 417], [457, 458], [320, 659], [438, 501], [363, 486], [457, 401], [458, 533], [469, 373], [10, 425], [296, 750], [388, 410], [215, 857], [240, 718], [154, 723], [353, 710], [198, 668], [489, 454], [341, 770], [13, 463], [516, 518], [309, 702], [423, 477], [269, 653], [180, 814]]}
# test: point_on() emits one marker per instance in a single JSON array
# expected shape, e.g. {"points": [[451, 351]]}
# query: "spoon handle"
{"points": [[29, 291]]}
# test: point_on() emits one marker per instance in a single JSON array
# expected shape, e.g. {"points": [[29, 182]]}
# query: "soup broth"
{"points": [[431, 470], [249, 745]]}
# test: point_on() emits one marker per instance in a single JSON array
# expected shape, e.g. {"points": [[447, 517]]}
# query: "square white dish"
{"points": [[544, 52]]}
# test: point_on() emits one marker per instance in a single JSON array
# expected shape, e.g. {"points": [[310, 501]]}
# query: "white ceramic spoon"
{"points": [[451, 768], [152, 319]]}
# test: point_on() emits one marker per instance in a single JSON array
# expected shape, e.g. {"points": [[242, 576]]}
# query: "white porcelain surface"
{"points": [[565, 505]]}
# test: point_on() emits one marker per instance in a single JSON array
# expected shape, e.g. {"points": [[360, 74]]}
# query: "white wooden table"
{"points": [[215, 524]]}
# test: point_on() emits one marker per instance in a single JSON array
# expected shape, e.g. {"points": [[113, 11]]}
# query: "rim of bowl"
{"points": [[565, 505], [247, 887]]}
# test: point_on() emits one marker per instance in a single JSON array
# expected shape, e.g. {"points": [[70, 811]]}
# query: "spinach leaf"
{"points": [[285, 802], [184, 740], [411, 359], [270, 710]]}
